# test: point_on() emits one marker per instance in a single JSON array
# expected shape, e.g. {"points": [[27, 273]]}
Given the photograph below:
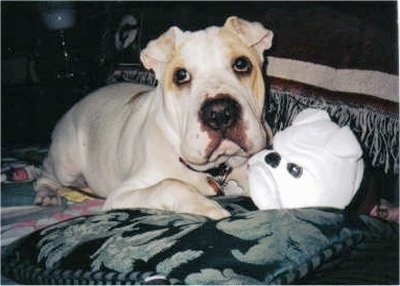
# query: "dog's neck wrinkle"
{"points": [[163, 123]]}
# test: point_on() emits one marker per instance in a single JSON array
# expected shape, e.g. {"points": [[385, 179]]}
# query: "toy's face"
{"points": [[314, 163], [276, 182]]}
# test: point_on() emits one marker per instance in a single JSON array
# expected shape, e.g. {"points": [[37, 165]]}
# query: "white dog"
{"points": [[156, 148]]}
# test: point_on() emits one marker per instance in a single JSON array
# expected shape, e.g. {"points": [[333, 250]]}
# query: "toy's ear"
{"points": [[251, 33], [359, 175], [159, 51], [344, 144], [310, 115]]}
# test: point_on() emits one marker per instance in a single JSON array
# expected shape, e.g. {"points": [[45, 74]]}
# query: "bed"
{"points": [[78, 243]]}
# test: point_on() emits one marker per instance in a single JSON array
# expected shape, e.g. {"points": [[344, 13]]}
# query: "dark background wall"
{"points": [[342, 34]]}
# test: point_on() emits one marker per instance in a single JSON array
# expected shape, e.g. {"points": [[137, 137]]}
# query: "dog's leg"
{"points": [[53, 178], [172, 195], [46, 193], [46, 187]]}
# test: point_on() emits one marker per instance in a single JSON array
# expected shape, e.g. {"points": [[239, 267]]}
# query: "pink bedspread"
{"points": [[20, 221]]}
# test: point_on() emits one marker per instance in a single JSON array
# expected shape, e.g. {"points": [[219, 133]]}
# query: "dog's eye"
{"points": [[181, 76], [295, 170], [242, 65]]}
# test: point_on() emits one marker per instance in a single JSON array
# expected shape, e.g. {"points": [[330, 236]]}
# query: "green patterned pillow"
{"points": [[150, 246]]}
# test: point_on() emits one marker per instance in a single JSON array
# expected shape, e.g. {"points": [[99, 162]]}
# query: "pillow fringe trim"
{"points": [[377, 132]]}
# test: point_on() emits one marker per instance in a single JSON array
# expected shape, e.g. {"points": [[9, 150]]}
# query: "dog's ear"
{"points": [[252, 33], [158, 51]]}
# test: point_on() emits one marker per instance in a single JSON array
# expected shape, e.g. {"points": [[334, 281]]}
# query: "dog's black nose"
{"points": [[220, 113]]}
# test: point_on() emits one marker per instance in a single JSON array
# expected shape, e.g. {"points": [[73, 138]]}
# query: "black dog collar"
{"points": [[216, 176]]}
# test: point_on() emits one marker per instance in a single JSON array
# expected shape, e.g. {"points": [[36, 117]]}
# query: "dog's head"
{"points": [[213, 90], [314, 163]]}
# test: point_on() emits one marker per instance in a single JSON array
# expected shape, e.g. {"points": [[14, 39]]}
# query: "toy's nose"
{"points": [[273, 159]]}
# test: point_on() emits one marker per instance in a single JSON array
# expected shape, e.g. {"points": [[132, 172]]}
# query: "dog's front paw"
{"points": [[47, 197], [218, 214], [206, 207], [170, 195]]}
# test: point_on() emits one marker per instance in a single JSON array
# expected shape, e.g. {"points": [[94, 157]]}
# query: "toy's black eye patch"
{"points": [[273, 159], [295, 170]]}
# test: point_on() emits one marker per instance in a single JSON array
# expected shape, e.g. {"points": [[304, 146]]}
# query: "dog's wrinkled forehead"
{"points": [[206, 49], [178, 45]]}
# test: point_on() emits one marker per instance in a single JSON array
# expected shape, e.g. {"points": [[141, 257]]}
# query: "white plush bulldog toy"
{"points": [[313, 163]]}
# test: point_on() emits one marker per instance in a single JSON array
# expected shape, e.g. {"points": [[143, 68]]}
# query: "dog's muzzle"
{"points": [[220, 113]]}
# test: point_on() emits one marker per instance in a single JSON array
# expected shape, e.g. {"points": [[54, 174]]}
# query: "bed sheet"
{"points": [[19, 216], [19, 221]]}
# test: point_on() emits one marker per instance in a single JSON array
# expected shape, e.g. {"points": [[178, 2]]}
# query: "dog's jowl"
{"points": [[140, 147]]}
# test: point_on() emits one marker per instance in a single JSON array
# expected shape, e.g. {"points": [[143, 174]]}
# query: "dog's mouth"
{"points": [[226, 128], [220, 147], [228, 146], [221, 118], [219, 153]]}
